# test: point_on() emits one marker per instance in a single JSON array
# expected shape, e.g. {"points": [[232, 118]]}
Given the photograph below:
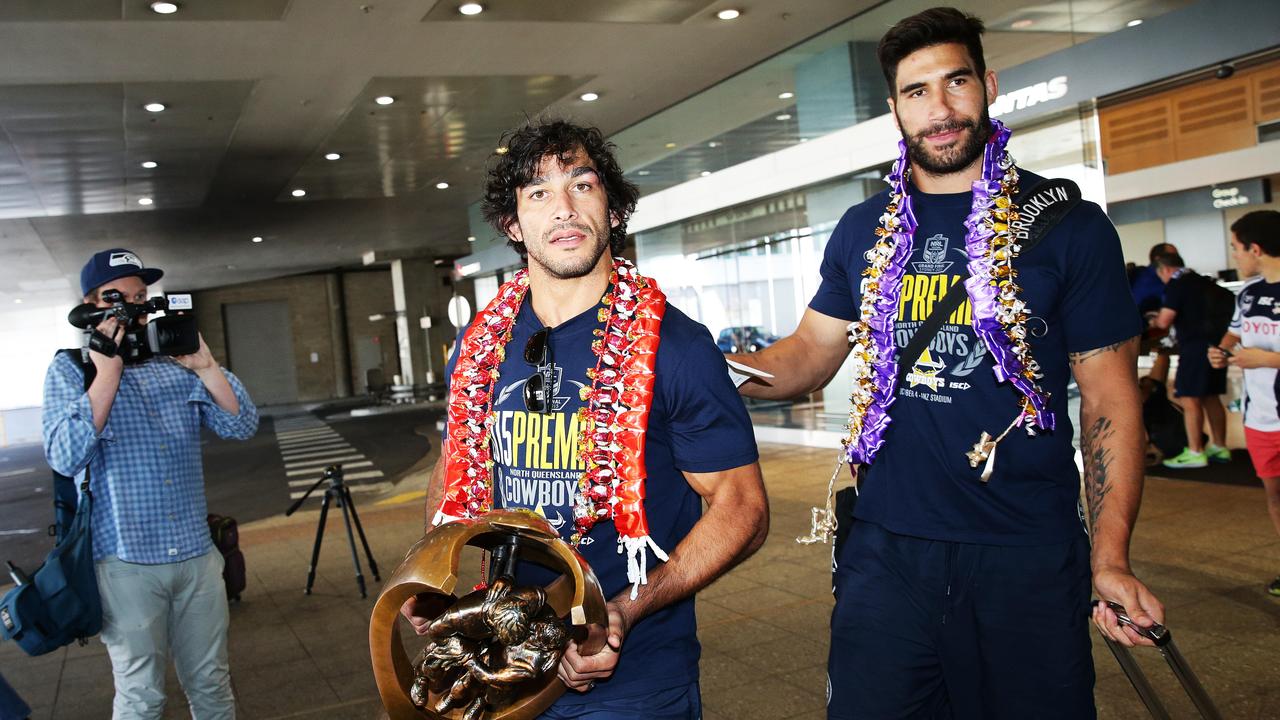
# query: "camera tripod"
{"points": [[338, 491]]}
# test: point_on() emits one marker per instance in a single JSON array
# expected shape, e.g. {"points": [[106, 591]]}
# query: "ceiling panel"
{"points": [[80, 146], [611, 11], [1082, 17], [438, 129], [28, 273], [764, 135], [73, 73], [99, 10]]}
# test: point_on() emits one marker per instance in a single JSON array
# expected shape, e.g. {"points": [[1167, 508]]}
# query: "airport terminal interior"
{"points": [[310, 175]]}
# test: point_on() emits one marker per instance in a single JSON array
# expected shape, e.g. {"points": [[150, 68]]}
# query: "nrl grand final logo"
{"points": [[934, 258]]}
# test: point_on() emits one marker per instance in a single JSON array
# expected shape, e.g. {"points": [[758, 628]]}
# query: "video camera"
{"points": [[173, 334]]}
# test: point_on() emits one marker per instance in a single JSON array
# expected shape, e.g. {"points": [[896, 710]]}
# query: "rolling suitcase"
{"points": [[1163, 639], [226, 537]]}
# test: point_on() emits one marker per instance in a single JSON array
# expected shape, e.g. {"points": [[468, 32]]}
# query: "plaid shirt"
{"points": [[146, 472]]}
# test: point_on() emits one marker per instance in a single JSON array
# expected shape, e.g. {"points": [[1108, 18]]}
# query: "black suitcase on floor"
{"points": [[226, 537]]}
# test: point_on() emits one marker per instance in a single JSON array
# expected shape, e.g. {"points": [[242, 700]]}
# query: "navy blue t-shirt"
{"points": [[920, 483], [697, 423]]}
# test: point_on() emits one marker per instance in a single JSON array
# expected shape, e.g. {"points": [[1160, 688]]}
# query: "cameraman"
{"points": [[137, 431]]}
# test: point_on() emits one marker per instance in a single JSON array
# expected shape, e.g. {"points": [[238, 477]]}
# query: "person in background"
{"points": [[1187, 307], [1146, 286], [1253, 345]]}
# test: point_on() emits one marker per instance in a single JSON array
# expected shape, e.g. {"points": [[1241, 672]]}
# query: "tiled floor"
{"points": [[1207, 551]]}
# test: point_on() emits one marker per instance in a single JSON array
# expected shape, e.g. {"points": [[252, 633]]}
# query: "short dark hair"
{"points": [[1168, 260], [527, 145], [935, 26], [1163, 248], [1261, 228]]}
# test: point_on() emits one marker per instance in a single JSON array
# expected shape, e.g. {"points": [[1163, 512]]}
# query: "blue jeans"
{"points": [[939, 630], [679, 703]]}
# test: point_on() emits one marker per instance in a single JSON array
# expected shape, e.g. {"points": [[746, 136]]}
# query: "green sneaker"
{"points": [[1187, 460], [1274, 587], [1217, 453]]}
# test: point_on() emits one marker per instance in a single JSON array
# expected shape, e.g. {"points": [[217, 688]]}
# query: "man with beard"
{"points": [[963, 588], [616, 422]]}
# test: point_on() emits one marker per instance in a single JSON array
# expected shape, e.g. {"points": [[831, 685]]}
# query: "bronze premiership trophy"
{"points": [[491, 653]]}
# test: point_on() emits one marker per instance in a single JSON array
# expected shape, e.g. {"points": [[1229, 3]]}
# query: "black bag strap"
{"points": [[1039, 210], [80, 356], [90, 371]]}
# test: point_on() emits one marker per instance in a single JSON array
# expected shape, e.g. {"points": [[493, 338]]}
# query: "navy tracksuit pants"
{"points": [[931, 629]]}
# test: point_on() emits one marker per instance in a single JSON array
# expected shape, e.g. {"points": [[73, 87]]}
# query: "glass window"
{"points": [[833, 81], [747, 273]]}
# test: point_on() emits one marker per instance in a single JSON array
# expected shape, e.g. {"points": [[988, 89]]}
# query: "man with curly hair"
{"points": [[560, 198]]}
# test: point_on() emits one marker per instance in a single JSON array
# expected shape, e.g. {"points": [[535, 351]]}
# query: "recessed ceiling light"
{"points": [[783, 116], [154, 107], [333, 156], [470, 8], [589, 97], [786, 95], [164, 8], [705, 173], [384, 99], [442, 186], [1021, 24], [298, 192], [149, 164], [642, 172], [1134, 22], [729, 14], [17, 301], [145, 201], [257, 238], [471, 238], [669, 145]]}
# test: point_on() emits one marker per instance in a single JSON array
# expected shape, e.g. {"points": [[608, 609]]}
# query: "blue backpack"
{"points": [[60, 602]]}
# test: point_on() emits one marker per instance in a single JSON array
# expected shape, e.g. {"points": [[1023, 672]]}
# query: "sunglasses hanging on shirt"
{"points": [[537, 389]]}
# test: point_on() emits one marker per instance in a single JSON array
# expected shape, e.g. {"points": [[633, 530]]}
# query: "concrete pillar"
{"points": [[421, 291], [400, 303], [338, 329]]}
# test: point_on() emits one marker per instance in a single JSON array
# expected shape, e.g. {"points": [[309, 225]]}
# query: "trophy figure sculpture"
{"points": [[492, 653]]}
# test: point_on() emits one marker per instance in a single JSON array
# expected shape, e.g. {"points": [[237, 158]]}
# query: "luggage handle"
{"points": [[1163, 640], [1157, 633]]}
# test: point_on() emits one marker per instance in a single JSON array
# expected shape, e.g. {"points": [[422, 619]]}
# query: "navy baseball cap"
{"points": [[114, 264]]}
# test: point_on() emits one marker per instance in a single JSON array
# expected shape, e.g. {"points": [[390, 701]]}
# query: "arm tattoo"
{"points": [[1097, 461], [1076, 358]]}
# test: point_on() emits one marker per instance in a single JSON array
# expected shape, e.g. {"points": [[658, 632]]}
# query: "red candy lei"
{"points": [[612, 424]]}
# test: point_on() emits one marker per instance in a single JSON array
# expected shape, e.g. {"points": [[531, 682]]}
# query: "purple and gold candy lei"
{"points": [[999, 315]]}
